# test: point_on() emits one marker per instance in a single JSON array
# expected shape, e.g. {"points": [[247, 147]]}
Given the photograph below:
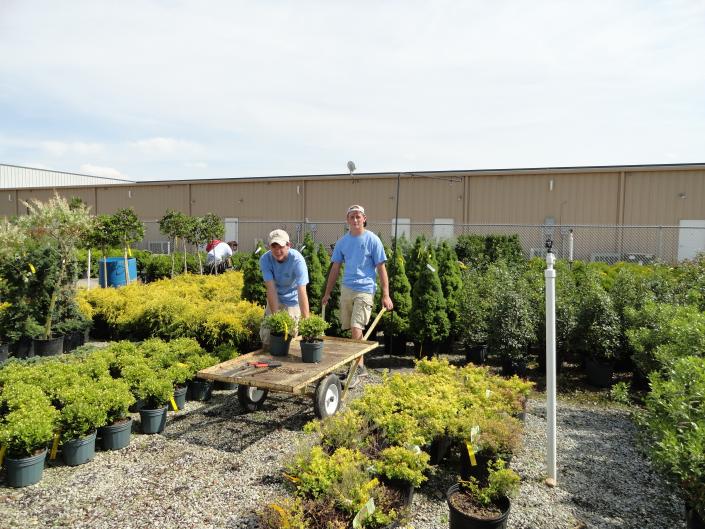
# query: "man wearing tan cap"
{"points": [[286, 276], [364, 258]]}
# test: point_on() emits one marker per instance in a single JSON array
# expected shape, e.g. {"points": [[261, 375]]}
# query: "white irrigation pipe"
{"points": [[550, 275]]}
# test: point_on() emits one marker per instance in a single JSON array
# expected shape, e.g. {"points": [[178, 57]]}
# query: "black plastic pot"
{"points": [[517, 367], [74, 340], [4, 352], [278, 346], [599, 373], [116, 436], [24, 471], [79, 451], [199, 390], [311, 352], [153, 420], [50, 347], [23, 348], [693, 519], [439, 448], [461, 520], [477, 354], [180, 397]]}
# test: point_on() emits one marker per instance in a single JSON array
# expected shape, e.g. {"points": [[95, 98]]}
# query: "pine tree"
{"points": [[316, 281], [396, 323], [414, 257], [254, 289], [428, 318], [452, 283]]}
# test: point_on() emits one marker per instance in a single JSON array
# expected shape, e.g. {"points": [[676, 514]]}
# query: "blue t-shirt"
{"points": [[287, 276], [361, 255]]}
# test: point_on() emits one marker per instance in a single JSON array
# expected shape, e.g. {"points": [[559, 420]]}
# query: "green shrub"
{"points": [[674, 424], [115, 397], [280, 323], [597, 330], [502, 482], [26, 429], [312, 328], [403, 464]]}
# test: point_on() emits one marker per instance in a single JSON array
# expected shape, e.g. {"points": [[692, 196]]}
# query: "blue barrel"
{"points": [[116, 271]]}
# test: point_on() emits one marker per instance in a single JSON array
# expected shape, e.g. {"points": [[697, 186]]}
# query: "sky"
{"points": [[168, 89]]}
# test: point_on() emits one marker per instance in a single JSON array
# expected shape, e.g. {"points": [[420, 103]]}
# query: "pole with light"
{"points": [[550, 275]]}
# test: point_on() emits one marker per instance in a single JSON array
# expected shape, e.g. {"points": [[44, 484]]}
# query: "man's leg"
{"points": [[361, 312]]}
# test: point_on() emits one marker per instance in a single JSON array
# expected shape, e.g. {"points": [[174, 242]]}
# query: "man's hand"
{"points": [[387, 302], [324, 299]]}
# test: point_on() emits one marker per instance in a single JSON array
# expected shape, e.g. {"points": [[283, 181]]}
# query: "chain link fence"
{"points": [[637, 244]]}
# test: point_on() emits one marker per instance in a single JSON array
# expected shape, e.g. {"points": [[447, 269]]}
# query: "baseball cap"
{"points": [[355, 207], [279, 237]]}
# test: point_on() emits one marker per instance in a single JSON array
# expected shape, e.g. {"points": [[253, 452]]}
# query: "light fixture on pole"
{"points": [[351, 167]]}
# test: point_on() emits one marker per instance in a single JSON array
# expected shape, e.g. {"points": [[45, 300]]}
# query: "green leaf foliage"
{"points": [[428, 318]]}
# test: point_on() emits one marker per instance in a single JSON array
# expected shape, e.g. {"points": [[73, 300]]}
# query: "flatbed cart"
{"points": [[257, 373]]}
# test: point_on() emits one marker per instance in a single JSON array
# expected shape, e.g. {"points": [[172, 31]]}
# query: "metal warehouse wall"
{"points": [[623, 195]]}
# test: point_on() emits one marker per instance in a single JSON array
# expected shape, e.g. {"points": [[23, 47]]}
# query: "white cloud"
{"points": [[167, 146], [62, 148], [96, 170], [274, 88]]}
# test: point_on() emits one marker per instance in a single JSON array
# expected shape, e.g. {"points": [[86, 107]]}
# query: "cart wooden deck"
{"points": [[293, 376]]}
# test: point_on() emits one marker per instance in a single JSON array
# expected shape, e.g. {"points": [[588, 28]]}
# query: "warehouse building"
{"points": [[608, 208]]}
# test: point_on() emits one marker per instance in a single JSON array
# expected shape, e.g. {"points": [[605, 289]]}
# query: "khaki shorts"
{"points": [[294, 312], [355, 308]]}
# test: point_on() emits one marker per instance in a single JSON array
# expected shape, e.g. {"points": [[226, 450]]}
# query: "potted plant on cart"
{"points": [[311, 330], [282, 329], [25, 431], [475, 506]]}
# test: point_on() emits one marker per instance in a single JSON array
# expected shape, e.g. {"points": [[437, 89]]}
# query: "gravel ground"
{"points": [[214, 464]]}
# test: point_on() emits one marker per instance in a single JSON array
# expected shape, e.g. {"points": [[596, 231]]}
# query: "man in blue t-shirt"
{"points": [[364, 258], [286, 276]]}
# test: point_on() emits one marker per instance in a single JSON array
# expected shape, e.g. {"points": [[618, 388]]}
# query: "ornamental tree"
{"points": [[428, 319]]}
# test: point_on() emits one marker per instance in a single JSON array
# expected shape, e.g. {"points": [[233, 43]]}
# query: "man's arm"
{"points": [[272, 298], [332, 278], [384, 283], [303, 301]]}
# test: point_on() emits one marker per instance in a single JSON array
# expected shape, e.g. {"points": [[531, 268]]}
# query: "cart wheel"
{"points": [[326, 401], [251, 397]]}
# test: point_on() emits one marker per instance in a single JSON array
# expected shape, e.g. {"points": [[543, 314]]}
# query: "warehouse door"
{"points": [[231, 230], [691, 238]]}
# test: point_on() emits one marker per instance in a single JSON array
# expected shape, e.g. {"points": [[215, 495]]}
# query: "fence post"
{"points": [[659, 244]]}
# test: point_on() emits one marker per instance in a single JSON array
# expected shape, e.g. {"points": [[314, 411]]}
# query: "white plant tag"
{"points": [[474, 432], [257, 250], [428, 265], [303, 247], [363, 514], [488, 393]]}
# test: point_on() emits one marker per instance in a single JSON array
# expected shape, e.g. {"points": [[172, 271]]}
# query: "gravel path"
{"points": [[214, 465]]}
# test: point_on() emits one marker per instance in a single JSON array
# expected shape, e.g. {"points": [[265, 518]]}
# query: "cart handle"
{"points": [[374, 324]]}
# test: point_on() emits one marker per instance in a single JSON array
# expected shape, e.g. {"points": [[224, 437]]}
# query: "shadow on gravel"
{"points": [[223, 424]]}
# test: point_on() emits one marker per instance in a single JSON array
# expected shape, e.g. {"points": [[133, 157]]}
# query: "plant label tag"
{"points": [[488, 393], [428, 265], [173, 404], [129, 251], [54, 446], [303, 247], [2, 453], [286, 332], [257, 250], [474, 432], [32, 269], [363, 514], [471, 453]]}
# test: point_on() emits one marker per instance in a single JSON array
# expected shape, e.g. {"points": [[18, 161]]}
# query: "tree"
{"points": [[414, 257], [254, 289], [103, 236], [129, 229], [316, 281], [428, 318], [173, 224], [451, 283], [396, 322], [62, 228]]}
